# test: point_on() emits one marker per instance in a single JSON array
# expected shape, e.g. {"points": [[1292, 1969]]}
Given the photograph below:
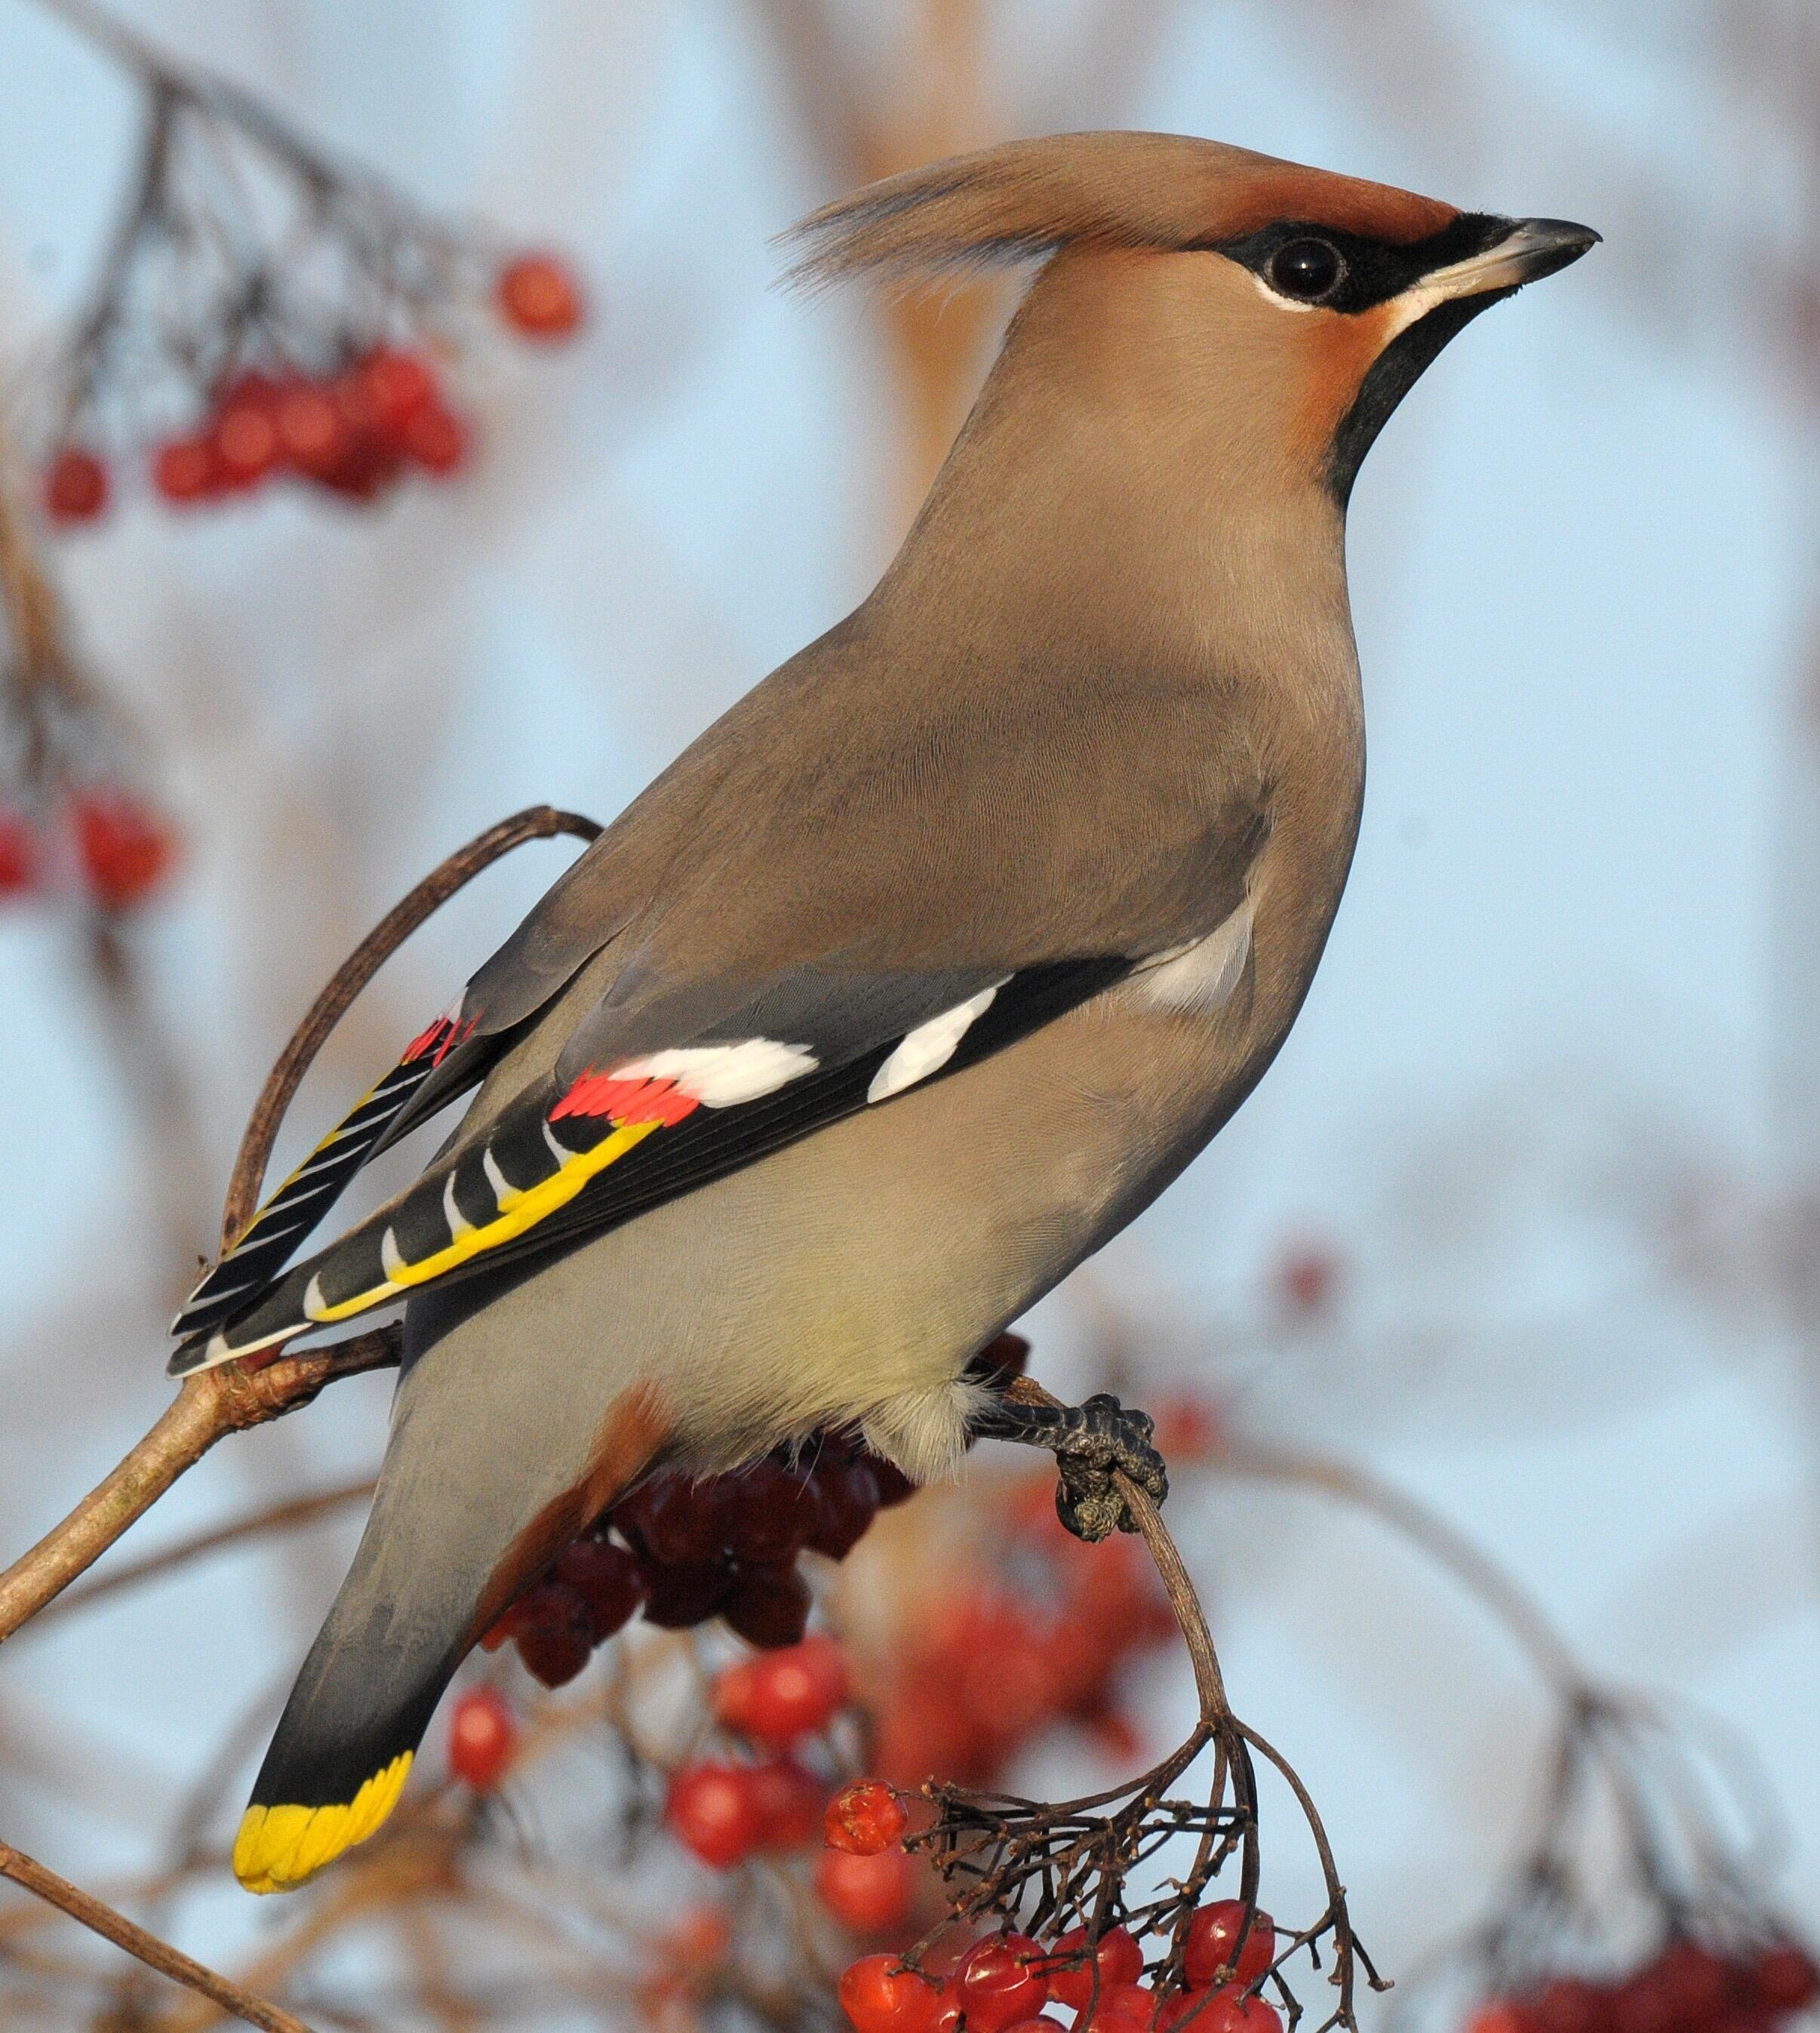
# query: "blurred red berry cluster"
{"points": [[1688, 1987], [1003, 1983], [308, 337], [1003, 1652], [121, 848]]}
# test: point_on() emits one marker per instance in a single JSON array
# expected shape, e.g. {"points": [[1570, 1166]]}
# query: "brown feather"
{"points": [[1023, 200]]}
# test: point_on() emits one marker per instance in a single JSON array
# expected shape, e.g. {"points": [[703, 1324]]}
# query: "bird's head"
{"points": [[1275, 312]]}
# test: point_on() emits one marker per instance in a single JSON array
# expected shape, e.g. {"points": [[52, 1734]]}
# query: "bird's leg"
{"points": [[1089, 1442]]}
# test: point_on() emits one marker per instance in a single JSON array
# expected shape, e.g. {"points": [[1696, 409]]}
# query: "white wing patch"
{"points": [[929, 1046], [1202, 976], [725, 1075]]}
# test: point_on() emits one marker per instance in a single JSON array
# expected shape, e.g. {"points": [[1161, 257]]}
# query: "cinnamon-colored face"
{"points": [[1360, 304]]}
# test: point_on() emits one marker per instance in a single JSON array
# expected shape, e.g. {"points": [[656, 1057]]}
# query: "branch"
{"points": [[211, 1404], [287, 1516], [214, 1403], [156, 1954]]}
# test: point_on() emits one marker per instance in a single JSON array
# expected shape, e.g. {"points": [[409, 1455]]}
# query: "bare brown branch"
{"points": [[115, 1928]]}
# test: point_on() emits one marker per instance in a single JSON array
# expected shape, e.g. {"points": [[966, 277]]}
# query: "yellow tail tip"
{"points": [[279, 1849]]}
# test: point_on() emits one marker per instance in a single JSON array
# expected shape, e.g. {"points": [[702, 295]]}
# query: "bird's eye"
{"points": [[1306, 270]]}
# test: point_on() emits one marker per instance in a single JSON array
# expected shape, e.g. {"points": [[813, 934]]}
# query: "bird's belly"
{"points": [[851, 1277]]}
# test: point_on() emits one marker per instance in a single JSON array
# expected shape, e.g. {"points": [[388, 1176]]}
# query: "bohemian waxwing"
{"points": [[928, 965]]}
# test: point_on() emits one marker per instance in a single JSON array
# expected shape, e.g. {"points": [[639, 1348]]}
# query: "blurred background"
{"points": [[1524, 1219]]}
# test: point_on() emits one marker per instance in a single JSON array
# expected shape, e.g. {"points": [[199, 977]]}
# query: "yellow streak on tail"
{"points": [[278, 1848]]}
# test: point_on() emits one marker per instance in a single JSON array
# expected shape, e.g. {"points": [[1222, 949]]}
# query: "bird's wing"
{"points": [[587, 906], [626, 1121]]}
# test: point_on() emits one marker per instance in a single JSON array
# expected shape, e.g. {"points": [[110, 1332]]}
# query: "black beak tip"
{"points": [[1550, 244]]}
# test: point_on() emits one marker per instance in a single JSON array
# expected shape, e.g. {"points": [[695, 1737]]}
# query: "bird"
{"points": [[926, 967]]}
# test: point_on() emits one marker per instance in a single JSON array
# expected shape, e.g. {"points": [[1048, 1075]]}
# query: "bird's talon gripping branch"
{"points": [[1092, 1443]]}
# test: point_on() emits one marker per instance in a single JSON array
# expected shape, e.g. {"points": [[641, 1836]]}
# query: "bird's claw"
{"points": [[1093, 1443]]}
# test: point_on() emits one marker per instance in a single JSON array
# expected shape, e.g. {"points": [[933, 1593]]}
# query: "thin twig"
{"points": [[537, 822], [103, 1920], [288, 1516]]}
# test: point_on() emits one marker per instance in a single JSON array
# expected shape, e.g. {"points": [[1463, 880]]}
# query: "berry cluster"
{"points": [[305, 335], [1003, 1653], [122, 848], [1689, 1987], [774, 1800], [684, 1551], [1003, 1982]]}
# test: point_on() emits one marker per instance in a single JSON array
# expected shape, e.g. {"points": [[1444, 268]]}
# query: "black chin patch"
{"points": [[1390, 378]]}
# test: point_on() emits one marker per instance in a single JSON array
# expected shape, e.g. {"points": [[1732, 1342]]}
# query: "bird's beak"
{"points": [[1524, 252]]}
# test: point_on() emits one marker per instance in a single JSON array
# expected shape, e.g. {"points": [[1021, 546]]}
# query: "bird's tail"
{"points": [[472, 1506]]}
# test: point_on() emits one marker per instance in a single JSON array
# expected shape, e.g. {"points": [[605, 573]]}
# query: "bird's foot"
{"points": [[1092, 1443]]}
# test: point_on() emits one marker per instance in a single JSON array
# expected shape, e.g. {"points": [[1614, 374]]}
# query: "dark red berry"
{"points": [[768, 1606], [894, 1486], [1784, 1978], [678, 1598], [608, 1580], [771, 1513], [849, 1502]]}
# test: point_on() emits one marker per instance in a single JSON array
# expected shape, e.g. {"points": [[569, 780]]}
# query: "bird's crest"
{"points": [[1024, 199]]}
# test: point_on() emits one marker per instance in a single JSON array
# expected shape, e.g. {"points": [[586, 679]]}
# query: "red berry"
{"points": [[864, 1818], [607, 1581], [768, 1606], [1123, 2007], [894, 1486], [867, 1894], [1001, 1980], [18, 855], [677, 1598], [772, 1513], [75, 486], [715, 1810], [1310, 1276], [396, 384], [125, 849], [790, 1804], [1213, 1942], [245, 434], [849, 1502], [554, 1652], [1118, 1958], [1784, 1978], [539, 296], [787, 1695], [186, 470], [879, 1996], [435, 438], [1502, 2015], [483, 1733], [676, 1521], [1695, 1984], [311, 428], [1568, 2004]]}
